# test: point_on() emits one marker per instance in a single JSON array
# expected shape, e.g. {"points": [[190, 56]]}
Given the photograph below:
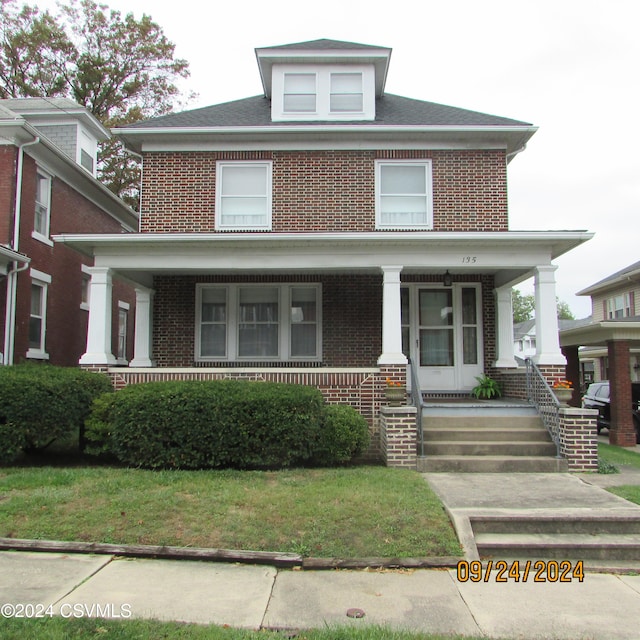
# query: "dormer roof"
{"points": [[324, 51]]}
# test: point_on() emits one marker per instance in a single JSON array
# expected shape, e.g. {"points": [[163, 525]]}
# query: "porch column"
{"points": [[547, 338], [99, 330], [142, 332], [622, 432], [391, 317], [504, 339]]}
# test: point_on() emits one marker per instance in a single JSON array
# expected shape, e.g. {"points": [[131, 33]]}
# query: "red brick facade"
{"points": [[70, 212], [469, 190]]}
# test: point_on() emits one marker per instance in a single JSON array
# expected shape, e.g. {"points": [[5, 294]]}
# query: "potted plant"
{"points": [[486, 388], [563, 390], [395, 393]]}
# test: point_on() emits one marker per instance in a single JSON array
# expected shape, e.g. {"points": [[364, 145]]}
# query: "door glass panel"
{"points": [[469, 311], [470, 345], [405, 321], [436, 328], [436, 348], [469, 326], [436, 308]]}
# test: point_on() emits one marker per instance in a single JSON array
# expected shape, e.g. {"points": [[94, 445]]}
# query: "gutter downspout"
{"points": [[12, 276]]}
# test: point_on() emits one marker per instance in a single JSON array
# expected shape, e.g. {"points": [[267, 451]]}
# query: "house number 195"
{"points": [[469, 259]]}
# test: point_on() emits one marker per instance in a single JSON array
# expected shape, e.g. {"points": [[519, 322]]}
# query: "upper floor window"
{"points": [[346, 92], [299, 93], [620, 306], [43, 205], [404, 195], [323, 92], [243, 196]]}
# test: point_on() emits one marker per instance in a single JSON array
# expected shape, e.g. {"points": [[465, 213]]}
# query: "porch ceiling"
{"points": [[509, 256]]}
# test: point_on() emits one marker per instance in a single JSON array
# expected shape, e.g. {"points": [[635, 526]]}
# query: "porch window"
{"points": [[403, 195], [258, 322], [243, 196]]}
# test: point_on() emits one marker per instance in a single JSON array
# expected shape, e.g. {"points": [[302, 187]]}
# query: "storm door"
{"points": [[442, 334]]}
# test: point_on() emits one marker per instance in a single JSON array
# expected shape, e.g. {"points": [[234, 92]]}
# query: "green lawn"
{"points": [[348, 512], [619, 456], [88, 629]]}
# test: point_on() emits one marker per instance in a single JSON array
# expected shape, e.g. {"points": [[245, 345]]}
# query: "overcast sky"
{"points": [[570, 67]]}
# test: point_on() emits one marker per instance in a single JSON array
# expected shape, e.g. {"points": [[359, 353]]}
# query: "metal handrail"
{"points": [[541, 395], [418, 403]]}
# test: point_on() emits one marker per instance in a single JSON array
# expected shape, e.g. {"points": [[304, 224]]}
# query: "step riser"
{"points": [[482, 465], [561, 552], [606, 527], [487, 435], [516, 449], [479, 422]]}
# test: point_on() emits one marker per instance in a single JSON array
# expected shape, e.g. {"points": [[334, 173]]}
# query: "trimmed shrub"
{"points": [[223, 423], [40, 403], [344, 434]]}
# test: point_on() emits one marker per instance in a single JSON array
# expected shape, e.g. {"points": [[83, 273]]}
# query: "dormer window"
{"points": [[307, 92], [346, 93], [299, 93]]}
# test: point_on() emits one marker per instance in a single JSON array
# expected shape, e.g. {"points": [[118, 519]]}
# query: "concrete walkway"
{"points": [[601, 606]]}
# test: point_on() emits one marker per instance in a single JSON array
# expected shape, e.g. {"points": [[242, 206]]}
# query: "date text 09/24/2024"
{"points": [[520, 571]]}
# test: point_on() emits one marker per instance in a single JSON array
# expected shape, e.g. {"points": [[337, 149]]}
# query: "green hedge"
{"points": [[223, 423], [40, 403]]}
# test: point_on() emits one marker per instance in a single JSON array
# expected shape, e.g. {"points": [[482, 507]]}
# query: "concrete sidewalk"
{"points": [[602, 606]]}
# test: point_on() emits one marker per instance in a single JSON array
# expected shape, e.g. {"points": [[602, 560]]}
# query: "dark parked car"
{"points": [[597, 397]]}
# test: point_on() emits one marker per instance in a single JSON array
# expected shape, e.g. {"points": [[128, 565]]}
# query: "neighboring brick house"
{"points": [[324, 232], [48, 153], [612, 342]]}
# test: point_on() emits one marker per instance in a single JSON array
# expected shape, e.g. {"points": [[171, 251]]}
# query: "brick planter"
{"points": [[579, 438], [398, 436]]}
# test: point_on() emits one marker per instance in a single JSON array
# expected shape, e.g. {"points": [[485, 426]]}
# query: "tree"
{"points": [[524, 307], [121, 69]]}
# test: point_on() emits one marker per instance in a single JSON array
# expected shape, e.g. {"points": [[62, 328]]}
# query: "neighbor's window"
{"points": [[38, 315], [243, 195], [403, 195], [620, 306], [43, 202], [123, 324]]}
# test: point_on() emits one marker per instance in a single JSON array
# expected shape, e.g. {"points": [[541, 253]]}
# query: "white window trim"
{"points": [[123, 306], [323, 92], [427, 164], [43, 280], [284, 322], [219, 225], [37, 235]]}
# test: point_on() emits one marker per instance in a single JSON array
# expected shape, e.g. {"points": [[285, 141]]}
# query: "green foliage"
{"points": [[121, 69], [524, 307], [344, 434], [40, 403], [486, 388], [98, 425], [196, 425]]}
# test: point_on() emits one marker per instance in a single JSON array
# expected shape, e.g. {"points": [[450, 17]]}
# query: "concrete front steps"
{"points": [[609, 539], [477, 437]]}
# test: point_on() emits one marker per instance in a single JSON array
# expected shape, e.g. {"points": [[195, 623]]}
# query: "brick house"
{"points": [[612, 341], [325, 232], [48, 154]]}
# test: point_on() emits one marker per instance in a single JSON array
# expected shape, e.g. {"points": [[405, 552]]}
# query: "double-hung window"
{"points": [[299, 93], [43, 205], [620, 306], [38, 315], [404, 194], [258, 322], [243, 196], [346, 93]]}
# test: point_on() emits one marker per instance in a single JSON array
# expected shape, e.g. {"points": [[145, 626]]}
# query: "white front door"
{"points": [[442, 334]]}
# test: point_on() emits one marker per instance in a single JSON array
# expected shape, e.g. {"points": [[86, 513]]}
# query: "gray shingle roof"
{"points": [[390, 110], [324, 44], [613, 279]]}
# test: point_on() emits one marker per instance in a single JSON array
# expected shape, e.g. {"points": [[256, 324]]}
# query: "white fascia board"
{"points": [[599, 333], [476, 252]]}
